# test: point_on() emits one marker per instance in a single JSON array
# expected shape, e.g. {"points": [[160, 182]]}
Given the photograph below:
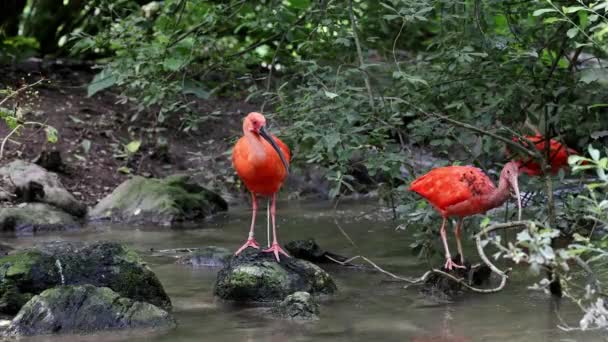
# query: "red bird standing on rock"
{"points": [[461, 191], [262, 162], [558, 154]]}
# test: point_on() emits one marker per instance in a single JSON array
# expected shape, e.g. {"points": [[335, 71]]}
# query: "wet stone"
{"points": [[254, 276], [84, 309], [297, 306]]}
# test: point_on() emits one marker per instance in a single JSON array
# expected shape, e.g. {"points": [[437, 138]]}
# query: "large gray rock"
{"points": [[84, 309], [158, 201], [32, 183], [105, 264], [298, 306], [35, 217], [256, 276]]}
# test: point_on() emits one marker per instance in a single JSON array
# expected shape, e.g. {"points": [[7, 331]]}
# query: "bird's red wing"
{"points": [[446, 186]]}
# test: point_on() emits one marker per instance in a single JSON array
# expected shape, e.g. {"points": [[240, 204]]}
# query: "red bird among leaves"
{"points": [[262, 161], [461, 191], [558, 152]]}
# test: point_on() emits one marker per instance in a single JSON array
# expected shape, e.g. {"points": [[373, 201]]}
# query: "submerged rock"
{"points": [[298, 306], [35, 217], [256, 276], [159, 201], [84, 309], [105, 264], [310, 250], [210, 256], [443, 289], [34, 184]]}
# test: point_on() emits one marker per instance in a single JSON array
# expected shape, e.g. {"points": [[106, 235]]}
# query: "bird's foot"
{"points": [[250, 243], [276, 249], [449, 264]]}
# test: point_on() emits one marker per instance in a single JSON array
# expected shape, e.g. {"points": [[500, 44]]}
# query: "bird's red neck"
{"points": [[500, 195], [256, 144]]}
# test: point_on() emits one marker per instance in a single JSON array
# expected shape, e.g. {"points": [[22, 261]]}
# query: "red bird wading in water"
{"points": [[460, 191], [262, 162], [558, 154]]}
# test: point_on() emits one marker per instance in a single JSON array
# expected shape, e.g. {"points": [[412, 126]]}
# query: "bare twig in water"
{"points": [[345, 234], [424, 277], [489, 229]]}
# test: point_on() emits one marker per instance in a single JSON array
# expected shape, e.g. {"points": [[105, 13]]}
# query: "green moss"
{"points": [[274, 275], [20, 264], [130, 255], [245, 277]]}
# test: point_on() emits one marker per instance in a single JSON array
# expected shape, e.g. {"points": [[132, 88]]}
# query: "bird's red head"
{"points": [[510, 173], [254, 122]]}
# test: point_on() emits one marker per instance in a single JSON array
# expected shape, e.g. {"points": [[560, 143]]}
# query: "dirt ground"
{"points": [[94, 130]]}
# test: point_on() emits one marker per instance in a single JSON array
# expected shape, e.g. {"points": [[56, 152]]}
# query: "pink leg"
{"points": [[448, 258], [275, 248], [251, 240], [457, 234]]}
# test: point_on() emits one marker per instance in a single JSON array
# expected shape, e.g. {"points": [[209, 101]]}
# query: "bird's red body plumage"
{"points": [[262, 162], [455, 190], [263, 173], [462, 191], [559, 155]]}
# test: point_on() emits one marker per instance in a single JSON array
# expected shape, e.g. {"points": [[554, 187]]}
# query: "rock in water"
{"points": [[298, 306], [104, 264], [158, 201], [35, 217], [84, 309], [35, 184], [256, 276], [310, 250]]}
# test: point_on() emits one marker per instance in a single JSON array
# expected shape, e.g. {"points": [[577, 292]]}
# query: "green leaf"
{"points": [[194, 88], [103, 80], [571, 33], [86, 146], [594, 153], [572, 9], [51, 134], [543, 11], [124, 169], [594, 75], [330, 95], [552, 20], [299, 4], [173, 64], [390, 17], [133, 146]]}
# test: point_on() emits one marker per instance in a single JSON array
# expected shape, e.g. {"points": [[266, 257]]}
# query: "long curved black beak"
{"points": [[274, 145]]}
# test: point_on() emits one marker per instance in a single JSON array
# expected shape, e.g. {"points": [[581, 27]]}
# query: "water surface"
{"points": [[368, 307]]}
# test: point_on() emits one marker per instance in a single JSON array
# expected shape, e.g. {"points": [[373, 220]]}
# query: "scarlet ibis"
{"points": [[262, 162], [558, 155], [461, 191]]}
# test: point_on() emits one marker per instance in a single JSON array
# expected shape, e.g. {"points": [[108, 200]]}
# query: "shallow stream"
{"points": [[368, 307]]}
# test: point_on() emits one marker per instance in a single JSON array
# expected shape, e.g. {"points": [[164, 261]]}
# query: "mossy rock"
{"points": [[105, 264], [159, 201], [84, 309], [35, 184], [36, 217], [254, 276], [299, 306]]}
